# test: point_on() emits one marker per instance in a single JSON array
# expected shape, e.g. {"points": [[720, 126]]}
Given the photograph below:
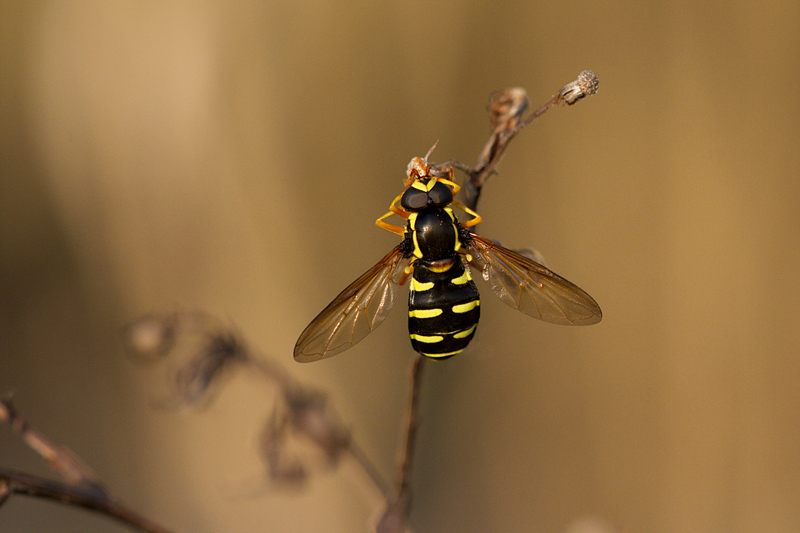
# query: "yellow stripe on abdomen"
{"points": [[425, 313], [463, 279], [465, 333], [427, 339], [421, 286], [467, 307], [441, 355]]}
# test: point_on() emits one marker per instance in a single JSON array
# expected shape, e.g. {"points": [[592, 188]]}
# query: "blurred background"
{"points": [[233, 157]]}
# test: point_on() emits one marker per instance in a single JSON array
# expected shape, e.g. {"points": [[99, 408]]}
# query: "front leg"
{"points": [[394, 209]]}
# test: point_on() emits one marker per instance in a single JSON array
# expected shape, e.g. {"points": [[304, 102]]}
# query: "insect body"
{"points": [[443, 304]]}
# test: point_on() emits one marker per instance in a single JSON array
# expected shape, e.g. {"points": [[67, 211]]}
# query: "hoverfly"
{"points": [[443, 303]]}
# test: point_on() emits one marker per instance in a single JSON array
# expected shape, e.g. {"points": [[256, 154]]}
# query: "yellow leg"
{"points": [[390, 227], [455, 187], [476, 218], [394, 209], [399, 211]]}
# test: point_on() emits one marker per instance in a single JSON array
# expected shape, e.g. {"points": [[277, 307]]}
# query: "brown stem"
{"points": [[60, 459], [411, 432], [395, 518], [13, 482], [82, 487]]}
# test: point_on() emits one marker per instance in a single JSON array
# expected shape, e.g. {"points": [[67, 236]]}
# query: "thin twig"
{"points": [[82, 487], [395, 518], [12, 482], [62, 460], [417, 368]]}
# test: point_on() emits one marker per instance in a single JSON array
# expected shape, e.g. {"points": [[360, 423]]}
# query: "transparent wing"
{"points": [[533, 289], [352, 315]]}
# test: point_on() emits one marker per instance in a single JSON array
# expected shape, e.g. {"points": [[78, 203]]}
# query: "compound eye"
{"points": [[440, 195], [414, 199]]}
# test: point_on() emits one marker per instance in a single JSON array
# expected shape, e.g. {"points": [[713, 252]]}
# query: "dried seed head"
{"points": [[150, 336], [287, 472], [195, 378], [506, 106], [311, 415], [585, 85], [418, 166]]}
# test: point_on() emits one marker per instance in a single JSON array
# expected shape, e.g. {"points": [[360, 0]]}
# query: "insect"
{"points": [[436, 253]]}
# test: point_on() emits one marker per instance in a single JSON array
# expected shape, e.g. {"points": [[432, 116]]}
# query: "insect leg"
{"points": [[455, 187], [394, 209], [476, 218]]}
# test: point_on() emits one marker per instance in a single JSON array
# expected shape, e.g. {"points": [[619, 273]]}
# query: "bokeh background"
{"points": [[233, 156]]}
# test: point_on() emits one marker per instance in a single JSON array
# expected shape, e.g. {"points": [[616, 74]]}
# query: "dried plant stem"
{"points": [[82, 488], [60, 459], [417, 368], [505, 109], [395, 518], [12, 482], [291, 390]]}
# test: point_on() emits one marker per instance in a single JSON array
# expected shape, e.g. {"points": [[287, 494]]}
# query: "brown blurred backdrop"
{"points": [[233, 157]]}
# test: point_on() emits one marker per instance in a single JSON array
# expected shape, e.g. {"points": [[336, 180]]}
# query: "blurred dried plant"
{"points": [[60, 459], [207, 350], [199, 348]]}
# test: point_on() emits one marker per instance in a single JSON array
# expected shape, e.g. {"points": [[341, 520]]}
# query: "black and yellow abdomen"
{"points": [[443, 303], [443, 308]]}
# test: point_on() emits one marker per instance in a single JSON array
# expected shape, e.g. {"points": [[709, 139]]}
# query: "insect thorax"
{"points": [[434, 234]]}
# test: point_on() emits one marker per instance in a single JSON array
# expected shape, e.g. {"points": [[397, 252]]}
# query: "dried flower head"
{"points": [[585, 85], [199, 348], [506, 107], [150, 337], [194, 379], [302, 429]]}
